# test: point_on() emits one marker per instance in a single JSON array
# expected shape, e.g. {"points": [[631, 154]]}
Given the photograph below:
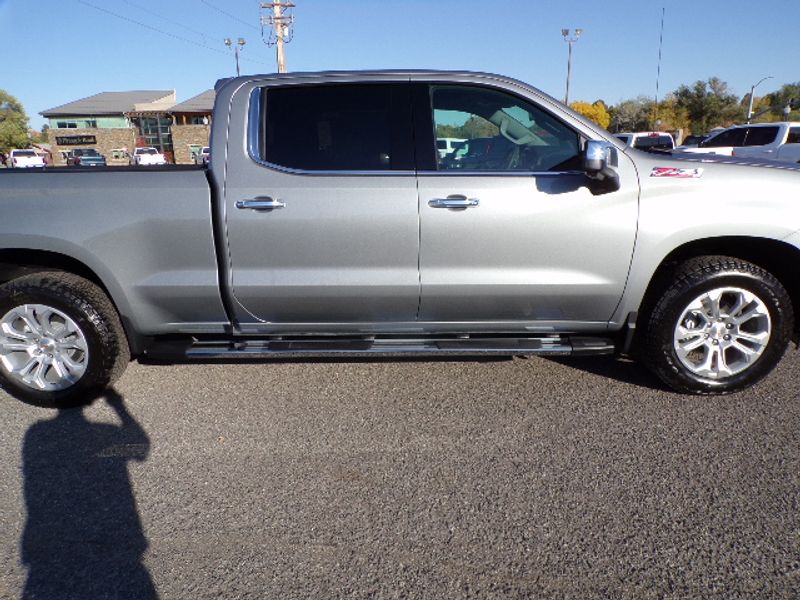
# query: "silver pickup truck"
{"points": [[328, 222]]}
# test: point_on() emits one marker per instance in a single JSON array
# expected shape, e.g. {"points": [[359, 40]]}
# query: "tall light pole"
{"points": [[239, 43], [753, 89], [570, 39]]}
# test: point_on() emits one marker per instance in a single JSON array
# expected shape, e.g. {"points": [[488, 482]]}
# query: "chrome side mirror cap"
{"points": [[599, 158]]}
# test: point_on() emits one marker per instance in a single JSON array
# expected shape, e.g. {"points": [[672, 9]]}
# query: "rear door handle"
{"points": [[453, 202], [260, 204]]}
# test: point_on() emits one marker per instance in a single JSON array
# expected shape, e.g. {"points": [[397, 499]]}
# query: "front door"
{"points": [[509, 229]]}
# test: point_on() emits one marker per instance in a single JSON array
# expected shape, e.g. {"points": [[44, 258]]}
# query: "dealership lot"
{"points": [[404, 478]]}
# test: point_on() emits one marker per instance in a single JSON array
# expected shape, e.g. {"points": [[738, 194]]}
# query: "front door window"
{"points": [[482, 129]]}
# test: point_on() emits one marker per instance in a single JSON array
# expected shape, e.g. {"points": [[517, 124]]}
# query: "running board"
{"points": [[321, 346]]}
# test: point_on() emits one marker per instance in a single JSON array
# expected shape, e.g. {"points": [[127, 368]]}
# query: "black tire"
{"points": [[96, 318], [692, 279]]}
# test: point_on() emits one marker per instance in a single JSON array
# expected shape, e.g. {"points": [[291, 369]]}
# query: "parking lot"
{"points": [[404, 479]]}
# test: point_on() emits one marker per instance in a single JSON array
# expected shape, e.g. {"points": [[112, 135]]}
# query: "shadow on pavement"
{"points": [[619, 369], [83, 538]]}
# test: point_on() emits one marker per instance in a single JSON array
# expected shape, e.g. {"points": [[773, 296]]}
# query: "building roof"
{"points": [[111, 103], [202, 103]]}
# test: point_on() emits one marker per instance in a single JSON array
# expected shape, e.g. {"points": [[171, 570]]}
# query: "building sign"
{"points": [[75, 140]]}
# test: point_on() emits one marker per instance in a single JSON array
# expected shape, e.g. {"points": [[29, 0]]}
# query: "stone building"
{"points": [[113, 123], [191, 126], [106, 122]]}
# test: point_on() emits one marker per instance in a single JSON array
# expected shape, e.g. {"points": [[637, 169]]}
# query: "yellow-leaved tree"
{"points": [[596, 112]]}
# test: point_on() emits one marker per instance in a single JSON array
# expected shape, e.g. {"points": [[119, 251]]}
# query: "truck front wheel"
{"points": [[61, 340], [722, 325]]}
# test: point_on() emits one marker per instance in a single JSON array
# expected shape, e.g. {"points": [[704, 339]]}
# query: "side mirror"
{"points": [[599, 158], [596, 157]]}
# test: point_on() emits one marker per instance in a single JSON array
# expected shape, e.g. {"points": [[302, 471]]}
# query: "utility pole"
{"points": [[280, 22], [570, 40]]}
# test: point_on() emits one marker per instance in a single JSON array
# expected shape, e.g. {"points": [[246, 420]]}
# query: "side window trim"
{"points": [[256, 140]]}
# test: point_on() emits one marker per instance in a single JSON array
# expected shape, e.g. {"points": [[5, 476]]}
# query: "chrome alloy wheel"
{"points": [[42, 348], [722, 332]]}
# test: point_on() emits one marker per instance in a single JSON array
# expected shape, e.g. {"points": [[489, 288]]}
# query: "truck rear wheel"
{"points": [[720, 327], [61, 340]]}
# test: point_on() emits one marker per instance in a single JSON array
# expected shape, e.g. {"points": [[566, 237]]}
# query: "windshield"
{"points": [[24, 153], [146, 151]]}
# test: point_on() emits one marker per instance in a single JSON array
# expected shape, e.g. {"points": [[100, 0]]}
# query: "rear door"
{"points": [[321, 207], [513, 232], [790, 151], [760, 142]]}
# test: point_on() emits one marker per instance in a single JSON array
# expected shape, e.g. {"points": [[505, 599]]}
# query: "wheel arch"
{"points": [[16, 262], [778, 257]]}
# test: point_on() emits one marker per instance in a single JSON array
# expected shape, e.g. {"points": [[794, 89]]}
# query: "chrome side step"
{"points": [[359, 346]]}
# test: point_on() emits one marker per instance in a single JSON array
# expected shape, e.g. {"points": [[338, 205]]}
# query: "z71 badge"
{"points": [[673, 172]]}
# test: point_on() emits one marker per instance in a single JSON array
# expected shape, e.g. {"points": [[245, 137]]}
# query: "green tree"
{"points": [[474, 127], [788, 95], [596, 112], [631, 115], [668, 115], [13, 123], [708, 104]]}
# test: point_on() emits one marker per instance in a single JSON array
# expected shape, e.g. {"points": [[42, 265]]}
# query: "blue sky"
{"points": [[57, 51]]}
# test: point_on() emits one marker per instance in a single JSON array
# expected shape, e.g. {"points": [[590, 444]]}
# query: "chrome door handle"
{"points": [[453, 202], [260, 204]]}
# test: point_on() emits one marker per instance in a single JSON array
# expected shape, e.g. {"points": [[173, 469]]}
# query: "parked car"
{"points": [[23, 159], [326, 224], [85, 157], [772, 141], [202, 157], [649, 141], [147, 156]]}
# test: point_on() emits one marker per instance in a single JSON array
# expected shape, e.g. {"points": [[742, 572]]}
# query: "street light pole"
{"points": [[570, 41], [750, 104], [239, 43]]}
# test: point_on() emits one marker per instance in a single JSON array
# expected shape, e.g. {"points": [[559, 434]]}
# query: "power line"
{"points": [[161, 31], [229, 15], [167, 19]]}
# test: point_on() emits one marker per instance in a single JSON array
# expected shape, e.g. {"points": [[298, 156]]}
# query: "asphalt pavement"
{"points": [[523, 478]]}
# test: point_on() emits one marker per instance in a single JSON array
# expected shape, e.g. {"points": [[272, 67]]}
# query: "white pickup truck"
{"points": [[147, 156], [773, 141], [22, 159]]}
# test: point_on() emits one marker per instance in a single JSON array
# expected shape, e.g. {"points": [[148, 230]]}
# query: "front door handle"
{"points": [[460, 202], [260, 204]]}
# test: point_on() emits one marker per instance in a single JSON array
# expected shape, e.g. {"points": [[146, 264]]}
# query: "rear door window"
{"points": [[760, 136], [349, 127], [731, 137], [794, 136]]}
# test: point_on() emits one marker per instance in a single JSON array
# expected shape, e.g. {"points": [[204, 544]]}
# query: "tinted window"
{"points": [[339, 128], [657, 142], [730, 137], [623, 138], [794, 136], [759, 136], [502, 132]]}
